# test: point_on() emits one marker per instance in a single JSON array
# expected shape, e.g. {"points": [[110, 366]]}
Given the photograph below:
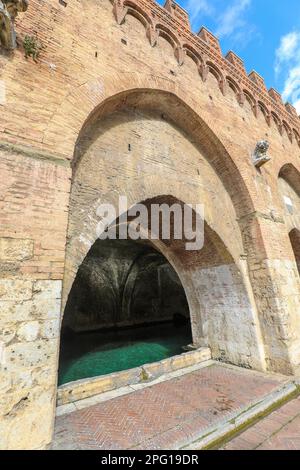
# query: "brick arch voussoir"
{"points": [[173, 252], [291, 175], [92, 97], [88, 101]]}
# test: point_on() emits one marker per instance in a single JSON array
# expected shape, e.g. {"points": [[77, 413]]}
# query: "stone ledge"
{"points": [[87, 388], [31, 152], [214, 436]]}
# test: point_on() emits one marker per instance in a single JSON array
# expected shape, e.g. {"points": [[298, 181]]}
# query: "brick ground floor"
{"points": [[278, 431], [170, 414]]}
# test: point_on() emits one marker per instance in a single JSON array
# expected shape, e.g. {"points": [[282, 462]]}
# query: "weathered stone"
{"points": [[88, 388], [50, 329], [260, 156], [27, 409], [12, 249], [45, 290], [5, 382], [152, 123], [16, 290], [30, 354], [8, 333], [14, 311], [28, 331]]}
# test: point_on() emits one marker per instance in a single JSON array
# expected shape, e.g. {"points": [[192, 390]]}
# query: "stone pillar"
{"points": [[34, 191], [276, 287]]}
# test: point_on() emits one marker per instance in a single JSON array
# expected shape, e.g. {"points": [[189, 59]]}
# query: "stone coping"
{"points": [[227, 429], [86, 388]]}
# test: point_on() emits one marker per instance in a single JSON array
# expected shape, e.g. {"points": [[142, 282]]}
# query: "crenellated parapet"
{"points": [[172, 23], [179, 13]]}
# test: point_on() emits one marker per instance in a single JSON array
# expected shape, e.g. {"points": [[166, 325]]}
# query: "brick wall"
{"points": [[90, 68]]}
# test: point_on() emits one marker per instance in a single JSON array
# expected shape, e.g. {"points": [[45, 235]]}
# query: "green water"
{"points": [[93, 354]]}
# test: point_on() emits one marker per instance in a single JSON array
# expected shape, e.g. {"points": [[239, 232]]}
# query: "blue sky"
{"points": [[265, 33]]}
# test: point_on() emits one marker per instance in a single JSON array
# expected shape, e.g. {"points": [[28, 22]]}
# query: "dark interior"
{"points": [[127, 307]]}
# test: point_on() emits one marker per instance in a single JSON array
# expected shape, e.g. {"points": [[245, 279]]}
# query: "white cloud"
{"points": [[232, 18], [228, 17], [288, 46], [197, 8], [291, 89], [287, 49], [287, 66]]}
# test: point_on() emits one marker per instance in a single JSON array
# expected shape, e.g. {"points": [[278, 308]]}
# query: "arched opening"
{"points": [[137, 302], [148, 147], [295, 242], [289, 191], [127, 307]]}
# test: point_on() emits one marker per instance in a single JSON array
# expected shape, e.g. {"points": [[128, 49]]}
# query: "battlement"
{"points": [[211, 40], [258, 80], [178, 13], [172, 21], [236, 61]]}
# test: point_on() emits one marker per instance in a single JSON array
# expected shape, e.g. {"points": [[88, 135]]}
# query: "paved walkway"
{"points": [[278, 431], [168, 415]]}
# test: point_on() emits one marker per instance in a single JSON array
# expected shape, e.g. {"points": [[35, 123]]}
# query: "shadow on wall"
{"points": [[126, 308], [123, 283], [295, 242]]}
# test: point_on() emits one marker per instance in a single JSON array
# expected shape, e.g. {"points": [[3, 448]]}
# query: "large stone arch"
{"points": [[173, 107], [179, 106], [172, 252], [180, 112], [222, 312], [289, 195], [208, 172], [96, 98]]}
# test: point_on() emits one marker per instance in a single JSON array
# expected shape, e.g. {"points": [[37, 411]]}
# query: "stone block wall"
{"points": [[33, 220], [104, 57]]}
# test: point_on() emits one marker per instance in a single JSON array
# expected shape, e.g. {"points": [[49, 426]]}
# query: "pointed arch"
{"points": [[290, 174], [277, 121], [236, 88], [218, 74], [138, 12], [251, 100], [288, 130], [265, 112], [297, 136], [169, 104], [167, 34]]}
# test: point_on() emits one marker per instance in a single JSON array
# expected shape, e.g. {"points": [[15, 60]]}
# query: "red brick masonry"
{"points": [[278, 431], [168, 415]]}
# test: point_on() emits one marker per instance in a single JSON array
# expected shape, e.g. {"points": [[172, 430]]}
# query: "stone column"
{"points": [[276, 287], [34, 192]]}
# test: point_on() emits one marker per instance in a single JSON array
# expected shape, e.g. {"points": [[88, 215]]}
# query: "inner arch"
{"points": [[147, 149], [127, 307]]}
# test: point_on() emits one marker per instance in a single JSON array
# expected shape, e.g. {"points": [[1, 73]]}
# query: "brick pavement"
{"points": [[168, 415], [278, 431]]}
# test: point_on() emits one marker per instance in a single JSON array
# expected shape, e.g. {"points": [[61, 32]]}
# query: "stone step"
{"points": [[225, 431]]}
